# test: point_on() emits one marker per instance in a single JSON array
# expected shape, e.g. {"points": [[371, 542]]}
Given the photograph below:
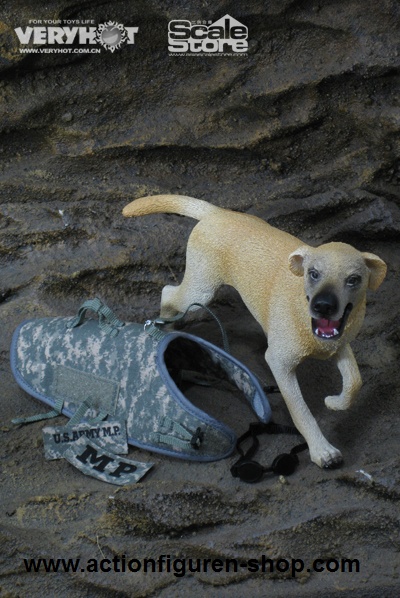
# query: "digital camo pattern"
{"points": [[129, 366], [110, 435], [91, 459], [244, 382]]}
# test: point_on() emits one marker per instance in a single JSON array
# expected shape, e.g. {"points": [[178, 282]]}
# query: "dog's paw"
{"points": [[337, 403], [334, 462], [328, 458]]}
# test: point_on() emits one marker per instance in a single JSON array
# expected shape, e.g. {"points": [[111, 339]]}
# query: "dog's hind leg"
{"points": [[321, 451], [351, 380], [199, 285]]}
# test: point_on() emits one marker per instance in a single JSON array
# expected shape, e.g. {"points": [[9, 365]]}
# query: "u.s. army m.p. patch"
{"points": [[110, 435]]}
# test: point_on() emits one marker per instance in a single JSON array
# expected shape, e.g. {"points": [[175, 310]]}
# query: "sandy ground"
{"points": [[198, 511]]}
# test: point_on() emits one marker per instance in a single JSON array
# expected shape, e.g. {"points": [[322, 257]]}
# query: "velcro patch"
{"points": [[74, 386]]}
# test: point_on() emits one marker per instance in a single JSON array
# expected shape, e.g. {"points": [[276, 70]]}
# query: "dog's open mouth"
{"points": [[330, 329]]}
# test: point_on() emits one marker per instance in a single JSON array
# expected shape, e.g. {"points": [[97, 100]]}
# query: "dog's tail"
{"points": [[172, 204]]}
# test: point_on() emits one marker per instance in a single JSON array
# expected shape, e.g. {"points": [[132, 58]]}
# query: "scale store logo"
{"points": [[73, 36], [225, 37]]}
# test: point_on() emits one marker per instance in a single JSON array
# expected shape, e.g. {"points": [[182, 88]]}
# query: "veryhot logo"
{"points": [[109, 35]]}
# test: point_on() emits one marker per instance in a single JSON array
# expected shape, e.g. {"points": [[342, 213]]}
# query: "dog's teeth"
{"points": [[327, 330], [323, 334]]}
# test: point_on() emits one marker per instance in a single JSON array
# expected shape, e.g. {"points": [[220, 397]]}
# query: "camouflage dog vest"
{"points": [[100, 369]]}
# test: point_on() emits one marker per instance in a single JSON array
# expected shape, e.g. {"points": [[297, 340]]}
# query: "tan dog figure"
{"points": [[309, 301]]}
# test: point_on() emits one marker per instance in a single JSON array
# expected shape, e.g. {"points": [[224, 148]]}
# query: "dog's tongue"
{"points": [[327, 327]]}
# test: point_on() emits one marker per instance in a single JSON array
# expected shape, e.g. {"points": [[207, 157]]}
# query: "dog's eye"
{"points": [[353, 281], [314, 274]]}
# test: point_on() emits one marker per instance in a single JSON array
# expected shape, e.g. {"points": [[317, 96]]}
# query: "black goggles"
{"points": [[250, 471]]}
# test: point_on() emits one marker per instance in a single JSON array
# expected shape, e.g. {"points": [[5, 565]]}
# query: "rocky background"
{"points": [[303, 132]]}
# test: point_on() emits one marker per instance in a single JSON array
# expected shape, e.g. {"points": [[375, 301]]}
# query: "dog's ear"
{"points": [[377, 269], [296, 261]]}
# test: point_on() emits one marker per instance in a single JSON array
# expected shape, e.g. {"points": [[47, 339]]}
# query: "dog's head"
{"points": [[336, 278]]}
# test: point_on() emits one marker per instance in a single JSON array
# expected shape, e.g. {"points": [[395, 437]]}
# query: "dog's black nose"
{"points": [[325, 304]]}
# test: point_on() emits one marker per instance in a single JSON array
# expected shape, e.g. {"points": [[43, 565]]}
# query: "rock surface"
{"points": [[303, 132]]}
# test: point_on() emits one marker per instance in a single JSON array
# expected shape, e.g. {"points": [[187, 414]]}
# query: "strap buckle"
{"points": [[152, 326], [197, 439]]}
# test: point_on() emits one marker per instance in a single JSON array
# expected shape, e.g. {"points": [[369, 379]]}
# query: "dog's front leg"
{"points": [[351, 380], [321, 451]]}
